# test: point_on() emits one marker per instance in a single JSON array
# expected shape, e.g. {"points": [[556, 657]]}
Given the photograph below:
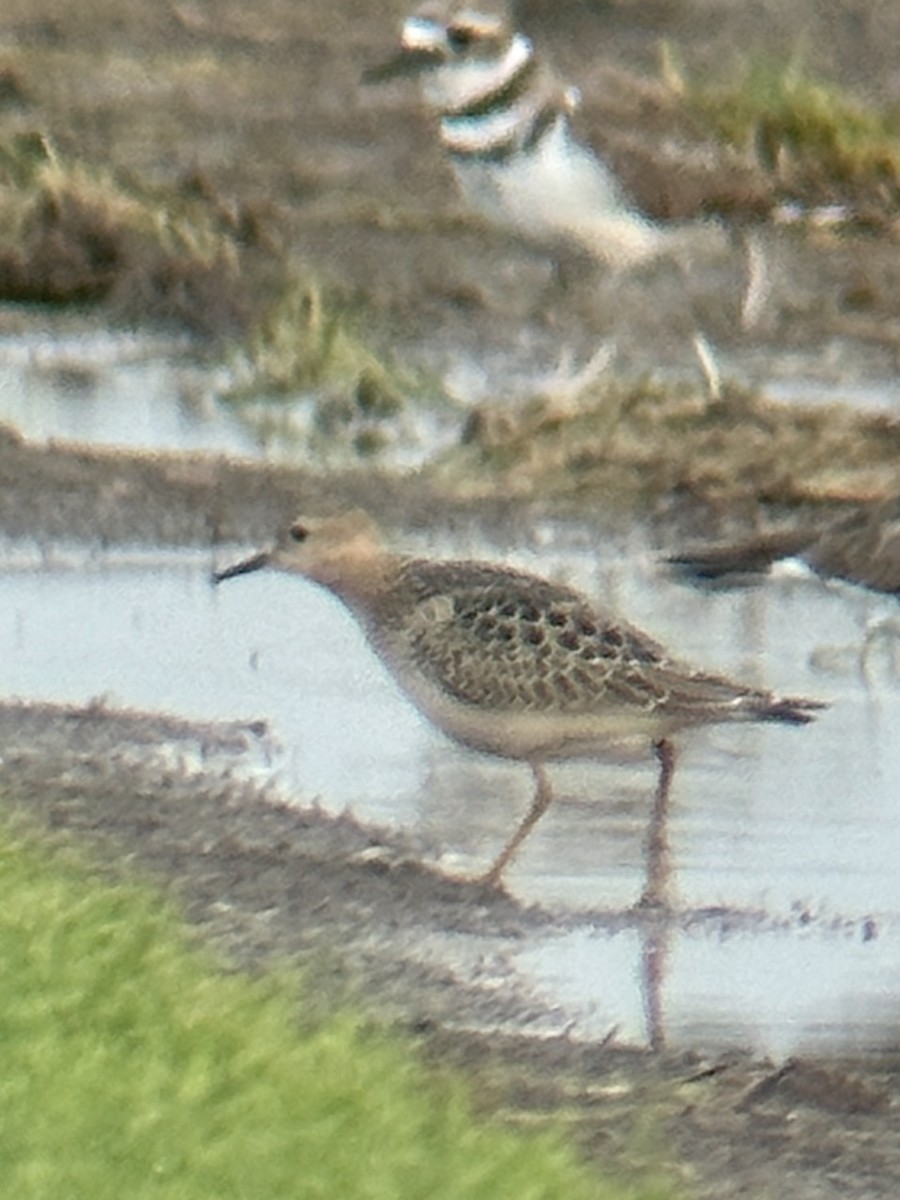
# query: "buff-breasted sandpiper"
{"points": [[511, 664]]}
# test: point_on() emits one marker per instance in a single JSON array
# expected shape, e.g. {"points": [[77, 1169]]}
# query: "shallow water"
{"points": [[114, 389], [140, 392], [784, 841], [144, 393]]}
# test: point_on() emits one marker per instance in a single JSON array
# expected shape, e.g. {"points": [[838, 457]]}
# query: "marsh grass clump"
{"points": [[75, 233], [809, 133], [641, 445], [305, 377], [301, 341]]}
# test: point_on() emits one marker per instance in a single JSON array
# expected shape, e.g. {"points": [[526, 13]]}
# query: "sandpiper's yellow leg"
{"points": [[543, 795], [657, 844]]}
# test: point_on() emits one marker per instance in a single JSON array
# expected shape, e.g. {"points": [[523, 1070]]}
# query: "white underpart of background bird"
{"points": [[504, 121]]}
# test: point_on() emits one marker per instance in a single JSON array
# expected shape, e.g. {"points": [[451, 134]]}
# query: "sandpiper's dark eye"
{"points": [[459, 37], [298, 532]]}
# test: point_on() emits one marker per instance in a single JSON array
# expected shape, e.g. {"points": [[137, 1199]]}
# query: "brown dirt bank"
{"points": [[60, 492], [265, 882], [686, 468]]}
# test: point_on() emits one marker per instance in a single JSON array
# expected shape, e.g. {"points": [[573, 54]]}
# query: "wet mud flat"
{"points": [[264, 882]]}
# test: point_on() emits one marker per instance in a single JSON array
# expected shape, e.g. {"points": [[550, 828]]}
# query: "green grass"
{"points": [[308, 382], [809, 126], [302, 341], [304, 344], [133, 1067]]}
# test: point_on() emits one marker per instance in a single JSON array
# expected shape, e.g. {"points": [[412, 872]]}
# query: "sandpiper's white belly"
{"points": [[530, 735]]}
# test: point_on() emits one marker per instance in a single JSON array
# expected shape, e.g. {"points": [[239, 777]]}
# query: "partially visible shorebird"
{"points": [[510, 664], [505, 124], [861, 546]]}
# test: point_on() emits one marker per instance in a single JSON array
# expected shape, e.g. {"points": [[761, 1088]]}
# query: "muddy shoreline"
{"points": [[265, 883]]}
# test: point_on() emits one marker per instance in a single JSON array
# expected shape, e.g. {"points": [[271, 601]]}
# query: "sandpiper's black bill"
{"points": [[407, 62], [256, 563]]}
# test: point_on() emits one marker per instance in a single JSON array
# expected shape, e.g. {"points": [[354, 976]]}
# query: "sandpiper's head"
{"points": [[443, 36], [343, 552]]}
